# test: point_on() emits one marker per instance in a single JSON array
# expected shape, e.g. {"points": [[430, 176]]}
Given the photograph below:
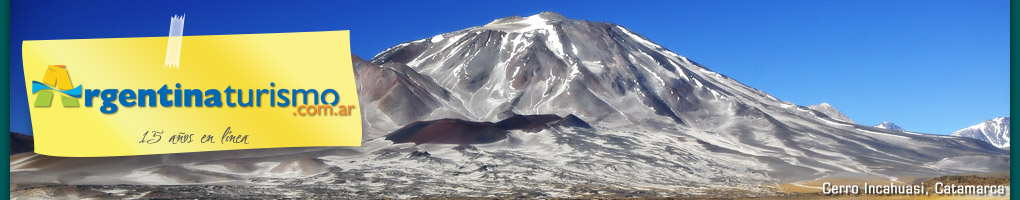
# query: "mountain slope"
{"points": [[392, 95], [994, 131]]}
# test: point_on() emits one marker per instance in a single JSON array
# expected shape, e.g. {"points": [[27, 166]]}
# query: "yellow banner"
{"points": [[115, 97]]}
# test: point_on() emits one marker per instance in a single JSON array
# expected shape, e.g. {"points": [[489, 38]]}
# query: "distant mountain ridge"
{"points": [[889, 126], [21, 143], [830, 111], [994, 131]]}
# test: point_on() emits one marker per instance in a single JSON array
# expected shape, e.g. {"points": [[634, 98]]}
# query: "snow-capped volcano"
{"points": [[889, 126], [659, 123], [994, 131], [548, 64], [617, 79]]}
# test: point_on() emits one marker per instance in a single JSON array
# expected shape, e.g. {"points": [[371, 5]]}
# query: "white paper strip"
{"points": [[173, 44]]}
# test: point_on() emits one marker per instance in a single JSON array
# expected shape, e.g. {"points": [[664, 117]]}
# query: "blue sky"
{"points": [[928, 66]]}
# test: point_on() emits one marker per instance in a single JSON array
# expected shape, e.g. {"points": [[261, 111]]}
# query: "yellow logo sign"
{"points": [[237, 92]]}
